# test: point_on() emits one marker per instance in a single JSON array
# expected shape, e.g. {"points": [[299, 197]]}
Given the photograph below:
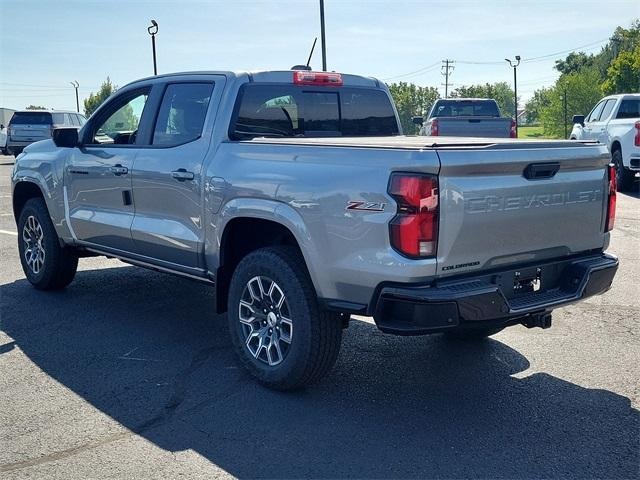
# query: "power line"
{"points": [[561, 52], [421, 70], [593, 46]]}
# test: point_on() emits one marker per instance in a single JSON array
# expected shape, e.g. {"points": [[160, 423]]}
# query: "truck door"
{"points": [[98, 196], [167, 176], [600, 126], [591, 128]]}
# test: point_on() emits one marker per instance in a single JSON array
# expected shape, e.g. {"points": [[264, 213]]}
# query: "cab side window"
{"points": [[118, 124], [629, 108], [182, 113], [606, 111], [595, 113]]}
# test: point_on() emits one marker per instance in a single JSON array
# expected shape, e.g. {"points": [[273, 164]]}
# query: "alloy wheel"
{"points": [[265, 320], [33, 236]]}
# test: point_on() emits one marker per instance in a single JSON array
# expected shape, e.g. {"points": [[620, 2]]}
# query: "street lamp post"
{"points": [[515, 64], [322, 38], [76, 85], [564, 108], [153, 29]]}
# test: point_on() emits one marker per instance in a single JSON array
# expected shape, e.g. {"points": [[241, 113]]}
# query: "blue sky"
{"points": [[44, 45]]}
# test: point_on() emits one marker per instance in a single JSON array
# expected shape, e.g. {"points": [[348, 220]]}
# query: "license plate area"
{"points": [[530, 280]]}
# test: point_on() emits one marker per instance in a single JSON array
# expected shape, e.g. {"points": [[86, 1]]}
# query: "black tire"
{"points": [[314, 334], [624, 177], [59, 264], [472, 334]]}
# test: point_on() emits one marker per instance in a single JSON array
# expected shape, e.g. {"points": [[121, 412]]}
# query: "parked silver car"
{"points": [[30, 126]]}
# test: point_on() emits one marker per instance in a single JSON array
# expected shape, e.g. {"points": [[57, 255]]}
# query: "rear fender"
{"points": [[266, 210]]}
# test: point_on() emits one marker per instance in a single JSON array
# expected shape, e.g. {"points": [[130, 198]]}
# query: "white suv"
{"points": [[615, 122]]}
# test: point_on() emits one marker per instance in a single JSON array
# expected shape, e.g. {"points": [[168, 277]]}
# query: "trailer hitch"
{"points": [[541, 320]]}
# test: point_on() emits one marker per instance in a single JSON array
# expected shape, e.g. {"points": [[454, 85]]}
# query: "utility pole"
{"points": [[76, 85], [515, 64], [153, 29], [447, 69], [322, 37]]}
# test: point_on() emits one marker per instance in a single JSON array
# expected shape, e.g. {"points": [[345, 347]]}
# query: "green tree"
{"points": [[94, 100], [412, 100], [501, 92], [536, 103], [35, 107], [574, 62], [623, 76], [582, 93]]}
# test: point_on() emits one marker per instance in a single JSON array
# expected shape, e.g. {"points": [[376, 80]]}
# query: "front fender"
{"points": [[44, 166], [264, 209]]}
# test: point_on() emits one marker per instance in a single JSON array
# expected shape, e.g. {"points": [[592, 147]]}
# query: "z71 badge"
{"points": [[365, 206]]}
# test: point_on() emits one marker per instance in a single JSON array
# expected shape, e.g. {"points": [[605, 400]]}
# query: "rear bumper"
{"points": [[492, 298], [22, 144]]}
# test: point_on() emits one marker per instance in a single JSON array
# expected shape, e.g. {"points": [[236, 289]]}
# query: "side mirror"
{"points": [[1, 126], [65, 137], [578, 119], [417, 120]]}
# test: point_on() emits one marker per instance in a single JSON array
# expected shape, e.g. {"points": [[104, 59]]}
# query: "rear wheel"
{"points": [[624, 177], [280, 334], [46, 264]]}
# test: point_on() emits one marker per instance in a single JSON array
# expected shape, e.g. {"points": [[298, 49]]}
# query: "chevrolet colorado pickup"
{"points": [[615, 122], [296, 195]]}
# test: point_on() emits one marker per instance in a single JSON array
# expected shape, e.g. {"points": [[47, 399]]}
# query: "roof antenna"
{"points": [[311, 52], [306, 67]]}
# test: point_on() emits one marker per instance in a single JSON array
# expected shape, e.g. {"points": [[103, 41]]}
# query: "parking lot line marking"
{"points": [[9, 232]]}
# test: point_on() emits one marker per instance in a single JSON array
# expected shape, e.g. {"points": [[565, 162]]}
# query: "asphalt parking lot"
{"points": [[128, 374]]}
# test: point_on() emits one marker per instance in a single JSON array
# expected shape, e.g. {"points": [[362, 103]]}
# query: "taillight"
{"points": [[303, 77], [636, 140], [414, 230], [512, 132], [434, 128], [611, 204]]}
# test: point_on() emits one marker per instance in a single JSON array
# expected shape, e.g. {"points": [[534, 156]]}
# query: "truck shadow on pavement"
{"points": [[146, 349]]}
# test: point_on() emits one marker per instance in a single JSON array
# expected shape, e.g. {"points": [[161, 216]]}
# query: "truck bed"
{"points": [[401, 142]]}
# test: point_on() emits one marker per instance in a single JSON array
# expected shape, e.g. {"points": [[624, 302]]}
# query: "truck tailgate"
{"points": [[486, 127], [518, 203]]}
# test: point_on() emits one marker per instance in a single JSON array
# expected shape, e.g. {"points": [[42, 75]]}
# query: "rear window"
{"points": [[629, 109], [465, 108], [31, 118], [264, 110]]}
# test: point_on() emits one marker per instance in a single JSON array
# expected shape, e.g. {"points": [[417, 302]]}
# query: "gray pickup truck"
{"points": [[466, 117], [296, 195]]}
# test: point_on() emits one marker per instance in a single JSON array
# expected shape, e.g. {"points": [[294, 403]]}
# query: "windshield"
{"points": [[466, 108], [267, 110], [31, 118]]}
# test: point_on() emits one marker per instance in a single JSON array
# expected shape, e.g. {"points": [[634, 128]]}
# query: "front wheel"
{"points": [[46, 264], [279, 332]]}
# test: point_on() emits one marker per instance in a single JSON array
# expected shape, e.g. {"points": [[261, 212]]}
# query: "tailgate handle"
{"points": [[540, 171]]}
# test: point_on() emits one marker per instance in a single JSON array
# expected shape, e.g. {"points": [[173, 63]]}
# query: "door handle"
{"points": [[181, 175], [119, 170]]}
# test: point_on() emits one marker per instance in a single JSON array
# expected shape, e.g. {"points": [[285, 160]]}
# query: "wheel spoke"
{"points": [[255, 296], [276, 344]]}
